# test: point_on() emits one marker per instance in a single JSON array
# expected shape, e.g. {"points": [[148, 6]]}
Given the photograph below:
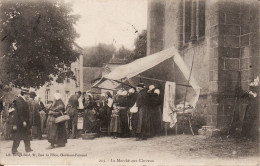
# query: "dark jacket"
{"points": [[142, 98], [21, 113], [73, 101], [154, 100]]}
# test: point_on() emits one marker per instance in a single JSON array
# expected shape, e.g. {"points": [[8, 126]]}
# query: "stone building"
{"points": [[90, 74], [67, 88], [223, 37]]}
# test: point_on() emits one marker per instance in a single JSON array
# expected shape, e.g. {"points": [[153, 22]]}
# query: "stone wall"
{"points": [[224, 59], [156, 20], [234, 47]]}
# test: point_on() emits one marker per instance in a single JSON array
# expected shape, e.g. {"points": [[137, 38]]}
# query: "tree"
{"points": [[97, 55], [123, 53], [140, 46], [36, 42]]}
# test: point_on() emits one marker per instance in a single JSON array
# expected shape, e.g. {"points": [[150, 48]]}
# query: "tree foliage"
{"points": [[97, 55], [36, 42], [123, 53], [140, 47]]}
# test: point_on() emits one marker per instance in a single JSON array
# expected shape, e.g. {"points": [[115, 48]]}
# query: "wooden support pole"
{"points": [[123, 83], [103, 88], [154, 79], [176, 128], [190, 126], [166, 128]]}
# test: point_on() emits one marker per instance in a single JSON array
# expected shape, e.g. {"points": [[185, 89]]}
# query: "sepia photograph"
{"points": [[130, 82]]}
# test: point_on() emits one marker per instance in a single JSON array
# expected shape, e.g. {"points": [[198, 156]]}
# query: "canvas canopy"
{"points": [[141, 65], [109, 84]]}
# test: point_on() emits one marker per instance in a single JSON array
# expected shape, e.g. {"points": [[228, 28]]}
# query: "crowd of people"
{"points": [[115, 113], [135, 112]]}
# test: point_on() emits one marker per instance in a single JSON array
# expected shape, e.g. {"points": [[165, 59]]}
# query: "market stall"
{"points": [[136, 71]]}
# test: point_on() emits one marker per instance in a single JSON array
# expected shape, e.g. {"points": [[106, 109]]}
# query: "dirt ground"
{"points": [[170, 150]]}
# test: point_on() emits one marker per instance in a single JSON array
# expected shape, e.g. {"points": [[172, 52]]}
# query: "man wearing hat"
{"points": [[34, 116], [21, 123], [72, 110], [143, 125]]}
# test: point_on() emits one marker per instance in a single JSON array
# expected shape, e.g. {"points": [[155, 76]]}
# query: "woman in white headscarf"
{"points": [[56, 132], [89, 117]]}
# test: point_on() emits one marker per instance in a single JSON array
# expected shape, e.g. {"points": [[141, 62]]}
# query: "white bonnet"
{"points": [[131, 90], [119, 92], [151, 87], [124, 93], [157, 91]]}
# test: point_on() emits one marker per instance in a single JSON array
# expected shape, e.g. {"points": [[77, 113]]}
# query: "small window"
{"points": [[187, 21], [67, 95], [47, 95], [78, 78], [194, 20], [201, 18]]}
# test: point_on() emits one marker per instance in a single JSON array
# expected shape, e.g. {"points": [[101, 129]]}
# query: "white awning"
{"points": [[143, 64], [140, 65]]}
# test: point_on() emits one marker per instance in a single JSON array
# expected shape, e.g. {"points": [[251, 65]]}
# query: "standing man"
{"points": [[72, 110], [143, 125], [21, 123], [34, 116]]}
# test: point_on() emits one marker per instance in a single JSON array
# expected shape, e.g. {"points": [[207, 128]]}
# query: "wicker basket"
{"points": [[62, 118], [87, 136]]}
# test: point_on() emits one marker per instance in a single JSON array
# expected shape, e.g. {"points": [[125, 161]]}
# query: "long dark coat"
{"points": [[156, 113], [123, 109], [21, 114], [90, 115], [104, 116], [143, 125], [56, 132], [34, 115]]}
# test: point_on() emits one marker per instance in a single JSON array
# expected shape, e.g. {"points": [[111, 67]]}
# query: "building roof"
{"points": [[90, 74], [117, 61]]}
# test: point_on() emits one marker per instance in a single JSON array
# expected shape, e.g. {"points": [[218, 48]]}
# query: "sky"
{"points": [[110, 21]]}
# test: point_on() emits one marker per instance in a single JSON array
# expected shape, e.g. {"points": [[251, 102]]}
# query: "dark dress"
{"points": [[123, 109], [90, 116], [156, 114], [251, 116], [103, 116], [73, 113], [56, 132], [143, 125], [35, 119], [109, 111], [131, 99], [115, 124]]}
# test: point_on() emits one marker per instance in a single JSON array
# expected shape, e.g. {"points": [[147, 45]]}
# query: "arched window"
{"points": [[194, 19]]}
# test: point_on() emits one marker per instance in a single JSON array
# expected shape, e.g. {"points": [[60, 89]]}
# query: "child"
{"points": [[9, 122], [115, 121]]}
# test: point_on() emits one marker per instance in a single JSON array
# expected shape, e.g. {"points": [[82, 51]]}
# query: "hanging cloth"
{"points": [[169, 114]]}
